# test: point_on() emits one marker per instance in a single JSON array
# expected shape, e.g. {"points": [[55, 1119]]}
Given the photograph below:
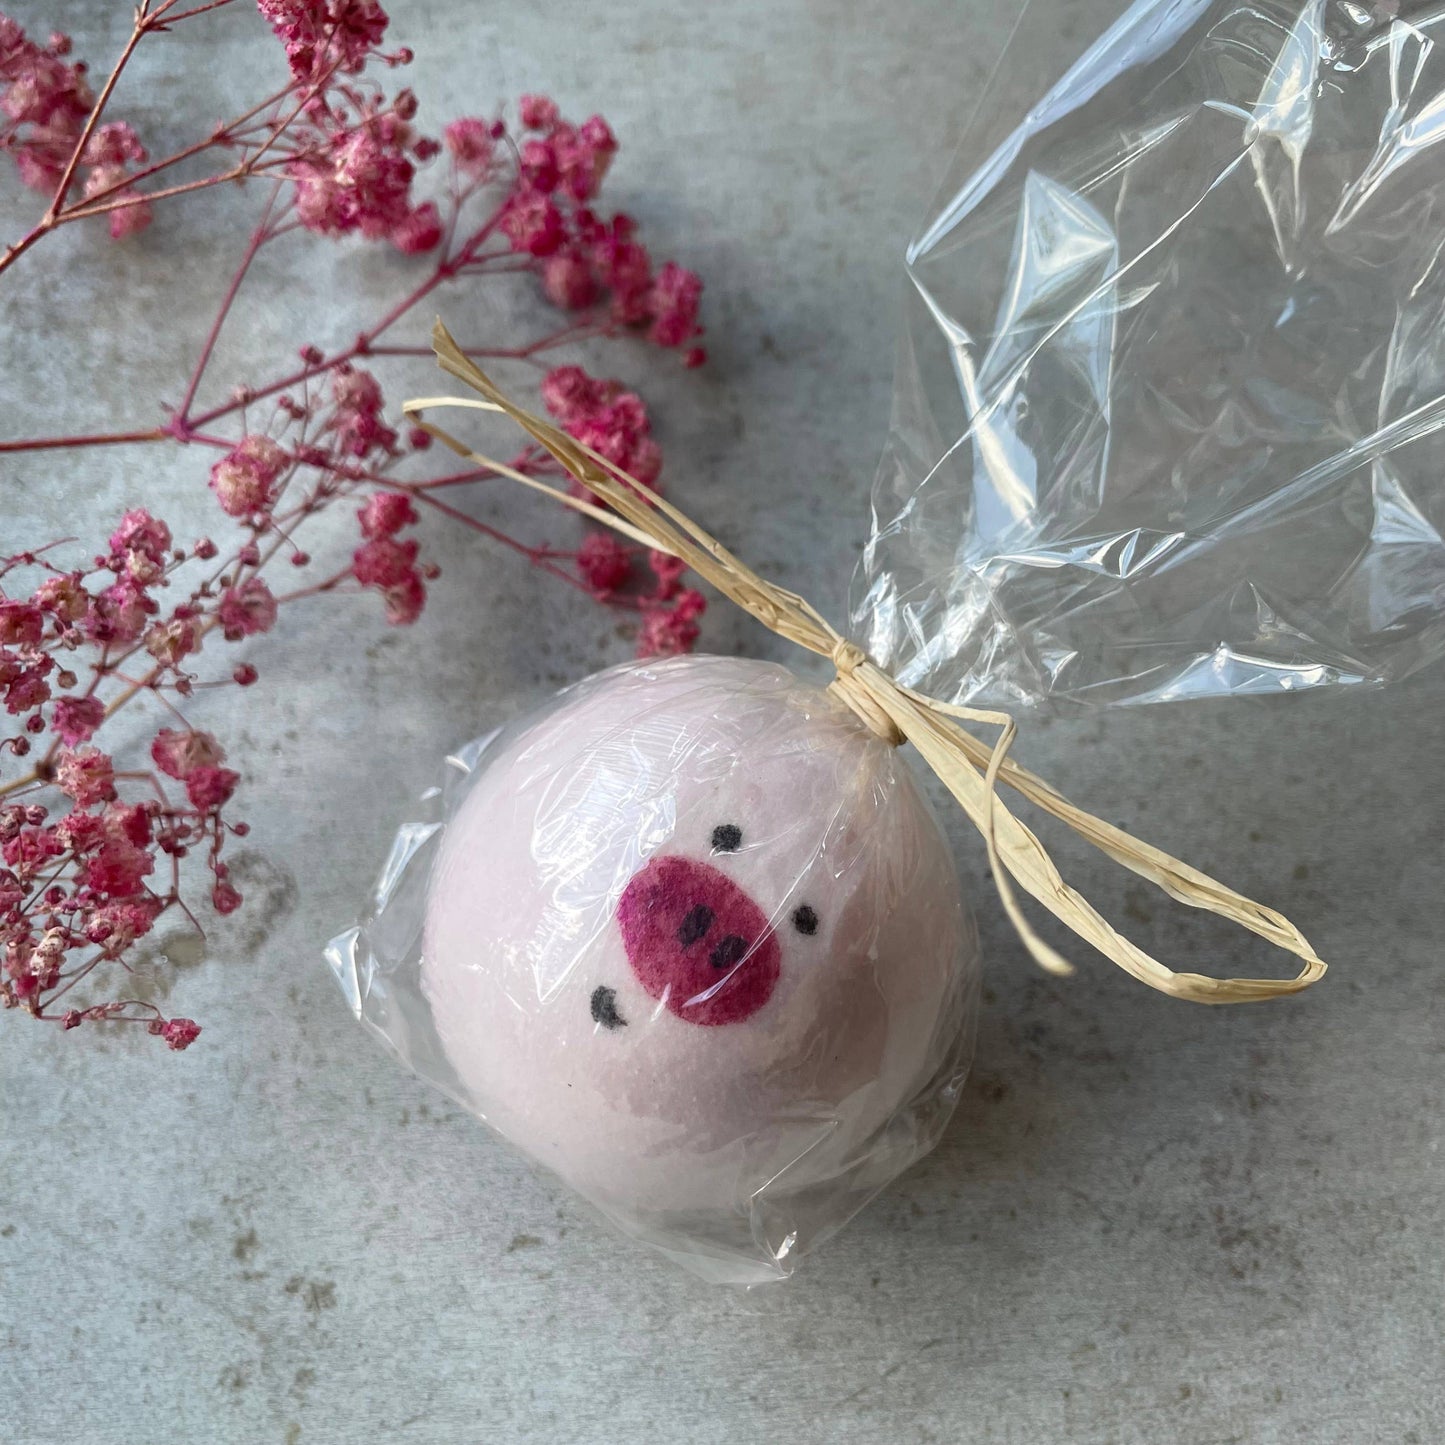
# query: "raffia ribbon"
{"points": [[970, 768]]}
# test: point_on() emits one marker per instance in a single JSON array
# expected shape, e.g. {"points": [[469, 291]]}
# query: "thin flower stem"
{"points": [[149, 681], [165, 702], [75, 978], [196, 10], [56, 214], [259, 237], [99, 439], [457, 479], [315, 589], [137, 34], [185, 188], [526, 354], [492, 266], [46, 882], [217, 137], [362, 346], [532, 554], [16, 250], [280, 129]]}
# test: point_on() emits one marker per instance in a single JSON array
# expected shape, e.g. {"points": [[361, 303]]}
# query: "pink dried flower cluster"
{"points": [[356, 174], [614, 423], [45, 102], [670, 611], [91, 851], [78, 888], [323, 36], [591, 261], [607, 418], [387, 562]]}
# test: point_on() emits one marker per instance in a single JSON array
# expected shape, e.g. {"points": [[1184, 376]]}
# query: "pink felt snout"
{"points": [[698, 942]]}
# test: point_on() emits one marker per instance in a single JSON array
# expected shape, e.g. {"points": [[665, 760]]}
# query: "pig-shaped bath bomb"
{"points": [[694, 941]]}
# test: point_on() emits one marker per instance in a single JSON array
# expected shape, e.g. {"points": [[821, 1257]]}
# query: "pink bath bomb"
{"points": [[694, 940]]}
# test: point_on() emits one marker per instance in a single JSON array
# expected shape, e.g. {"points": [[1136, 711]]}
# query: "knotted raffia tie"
{"points": [[970, 768]]}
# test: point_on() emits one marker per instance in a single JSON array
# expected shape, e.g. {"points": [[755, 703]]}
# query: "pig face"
{"points": [[694, 934]]}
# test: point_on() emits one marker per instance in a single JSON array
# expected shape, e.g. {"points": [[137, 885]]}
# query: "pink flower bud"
{"points": [[604, 562], [86, 775], [568, 282], [180, 1033], [22, 624], [537, 112], [245, 478], [210, 788], [386, 513], [667, 569], [690, 604], [319, 35], [405, 601], [419, 232], [384, 562], [75, 719], [666, 634], [673, 303], [118, 868], [141, 533], [62, 596], [129, 220], [533, 223], [178, 753], [170, 642], [246, 610], [470, 143], [27, 691]]}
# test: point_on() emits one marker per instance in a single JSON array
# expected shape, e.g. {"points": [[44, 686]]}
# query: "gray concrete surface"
{"points": [[1149, 1222]]}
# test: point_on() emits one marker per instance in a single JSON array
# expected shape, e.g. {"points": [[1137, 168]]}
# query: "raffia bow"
{"points": [[970, 768]]}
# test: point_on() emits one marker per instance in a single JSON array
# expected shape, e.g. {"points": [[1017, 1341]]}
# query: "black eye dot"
{"points": [[727, 838], [805, 920]]}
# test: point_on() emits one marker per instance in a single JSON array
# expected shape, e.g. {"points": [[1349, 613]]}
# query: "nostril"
{"points": [[729, 951], [695, 925]]}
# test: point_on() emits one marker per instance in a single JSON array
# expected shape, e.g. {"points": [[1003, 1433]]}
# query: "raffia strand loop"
{"points": [[971, 768]]}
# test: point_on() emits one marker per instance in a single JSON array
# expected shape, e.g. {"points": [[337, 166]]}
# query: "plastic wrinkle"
{"points": [[691, 938], [1171, 387]]}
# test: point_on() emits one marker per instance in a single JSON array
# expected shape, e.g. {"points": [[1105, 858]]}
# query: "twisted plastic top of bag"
{"points": [[1170, 391]]}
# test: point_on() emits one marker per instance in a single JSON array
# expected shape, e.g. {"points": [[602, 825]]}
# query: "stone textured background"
{"points": [[1148, 1223]]}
